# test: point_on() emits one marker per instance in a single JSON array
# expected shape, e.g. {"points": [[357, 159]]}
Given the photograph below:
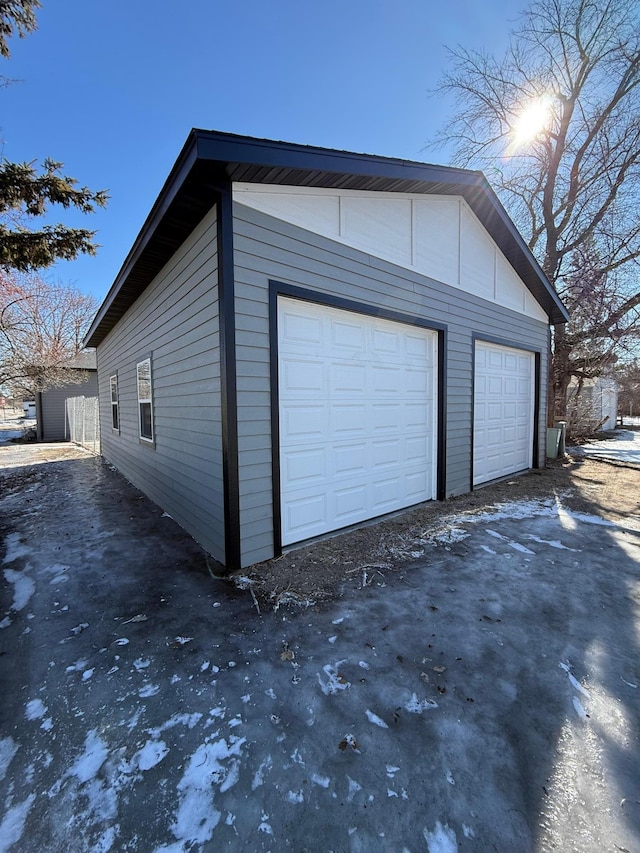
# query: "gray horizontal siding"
{"points": [[175, 322], [266, 248], [52, 413]]}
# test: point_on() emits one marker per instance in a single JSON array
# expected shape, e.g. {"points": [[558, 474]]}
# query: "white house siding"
{"points": [[267, 248], [175, 322], [51, 407]]}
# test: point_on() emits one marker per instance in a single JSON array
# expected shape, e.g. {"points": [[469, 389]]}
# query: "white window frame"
{"points": [[145, 400], [115, 403]]}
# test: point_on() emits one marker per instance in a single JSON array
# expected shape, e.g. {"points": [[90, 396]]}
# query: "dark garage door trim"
{"points": [[537, 354]]}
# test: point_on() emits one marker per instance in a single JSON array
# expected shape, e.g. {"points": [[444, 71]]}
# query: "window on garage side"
{"points": [[115, 413], [145, 400]]}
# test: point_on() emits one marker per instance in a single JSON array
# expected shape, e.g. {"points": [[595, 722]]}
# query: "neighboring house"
{"points": [[301, 339], [596, 406], [53, 406]]}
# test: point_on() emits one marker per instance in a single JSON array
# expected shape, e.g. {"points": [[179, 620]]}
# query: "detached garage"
{"points": [[303, 339]]}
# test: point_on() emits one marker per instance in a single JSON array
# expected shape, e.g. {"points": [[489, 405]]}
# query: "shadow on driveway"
{"points": [[489, 700]]}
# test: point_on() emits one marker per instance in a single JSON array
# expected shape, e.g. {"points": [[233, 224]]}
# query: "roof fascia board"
{"points": [[228, 148], [183, 165]]}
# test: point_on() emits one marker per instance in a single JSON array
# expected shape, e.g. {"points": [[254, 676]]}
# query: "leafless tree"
{"points": [[555, 125], [41, 327]]}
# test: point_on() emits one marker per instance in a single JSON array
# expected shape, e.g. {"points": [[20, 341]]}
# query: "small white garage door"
{"points": [[358, 415], [503, 411]]}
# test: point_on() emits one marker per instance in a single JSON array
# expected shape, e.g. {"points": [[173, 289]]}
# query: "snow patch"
{"points": [[580, 711], [196, 818], [447, 536], [354, 787], [264, 826], [35, 709], [322, 781], [79, 666], [417, 706], [522, 548], [148, 690], [258, 776], [441, 839], [574, 681], [94, 755], [12, 826], [335, 680], [23, 587], [182, 641], [141, 663], [15, 548], [8, 748], [375, 719], [151, 754], [295, 797], [552, 543]]}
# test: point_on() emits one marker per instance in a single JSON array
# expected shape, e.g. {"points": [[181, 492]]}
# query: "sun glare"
{"points": [[531, 122]]}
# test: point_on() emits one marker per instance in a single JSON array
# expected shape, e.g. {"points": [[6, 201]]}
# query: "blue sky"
{"points": [[112, 88]]}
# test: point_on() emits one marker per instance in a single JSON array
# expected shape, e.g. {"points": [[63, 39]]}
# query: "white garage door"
{"points": [[503, 413], [357, 403]]}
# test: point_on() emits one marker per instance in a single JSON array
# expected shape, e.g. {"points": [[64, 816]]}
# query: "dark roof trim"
{"points": [[210, 160]]}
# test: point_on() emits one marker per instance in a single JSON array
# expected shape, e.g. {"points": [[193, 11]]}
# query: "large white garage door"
{"points": [[357, 404], [503, 413]]}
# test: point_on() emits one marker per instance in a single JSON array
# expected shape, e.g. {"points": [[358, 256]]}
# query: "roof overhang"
{"points": [[211, 160]]}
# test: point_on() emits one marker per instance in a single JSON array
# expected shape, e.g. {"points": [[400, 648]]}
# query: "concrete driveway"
{"points": [[487, 699]]}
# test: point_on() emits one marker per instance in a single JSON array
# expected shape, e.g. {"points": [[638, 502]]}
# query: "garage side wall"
{"points": [[175, 324], [267, 248], [51, 406]]}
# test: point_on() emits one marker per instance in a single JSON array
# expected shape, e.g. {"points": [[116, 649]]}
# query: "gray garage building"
{"points": [[53, 405], [301, 339]]}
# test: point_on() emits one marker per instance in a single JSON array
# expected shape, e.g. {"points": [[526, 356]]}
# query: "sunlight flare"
{"points": [[533, 119]]}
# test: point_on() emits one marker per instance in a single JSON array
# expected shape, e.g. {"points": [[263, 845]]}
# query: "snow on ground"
{"points": [[622, 446], [153, 709]]}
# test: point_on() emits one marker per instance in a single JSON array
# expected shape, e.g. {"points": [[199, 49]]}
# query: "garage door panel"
{"points": [[385, 343], [305, 516], [373, 414], [304, 423], [385, 453], [347, 421], [385, 380], [297, 376], [503, 411], [296, 328], [306, 466], [350, 502], [347, 378], [347, 336], [349, 460]]}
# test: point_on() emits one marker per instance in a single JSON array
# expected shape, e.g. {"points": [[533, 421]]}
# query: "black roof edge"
{"points": [[224, 149]]}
